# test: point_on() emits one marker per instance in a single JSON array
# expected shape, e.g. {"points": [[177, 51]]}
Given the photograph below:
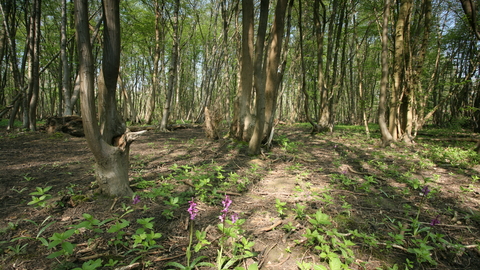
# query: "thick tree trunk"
{"points": [[259, 80], [110, 152], [242, 116]]}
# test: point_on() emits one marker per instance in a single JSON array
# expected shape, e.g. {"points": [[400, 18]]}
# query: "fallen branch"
{"points": [[268, 228]]}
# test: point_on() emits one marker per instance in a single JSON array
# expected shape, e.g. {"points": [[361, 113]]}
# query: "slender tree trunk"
{"points": [[382, 103], [273, 63], [66, 84], [324, 77], [156, 60], [173, 68], [34, 83], [243, 129], [320, 22], [303, 71]]}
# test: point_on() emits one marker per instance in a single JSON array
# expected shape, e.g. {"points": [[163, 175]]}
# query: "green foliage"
{"points": [[454, 156], [281, 207], [117, 229], [145, 236], [90, 265], [41, 197], [60, 240]]}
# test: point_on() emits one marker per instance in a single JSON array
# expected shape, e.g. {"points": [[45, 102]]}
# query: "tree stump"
{"points": [[67, 124]]}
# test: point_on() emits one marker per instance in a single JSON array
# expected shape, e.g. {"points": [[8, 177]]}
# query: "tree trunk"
{"points": [[382, 103], [242, 117], [173, 68], [258, 79], [156, 60], [34, 83], [273, 63], [66, 85], [111, 154]]}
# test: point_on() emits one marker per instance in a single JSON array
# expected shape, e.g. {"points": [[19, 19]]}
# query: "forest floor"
{"points": [[328, 201]]}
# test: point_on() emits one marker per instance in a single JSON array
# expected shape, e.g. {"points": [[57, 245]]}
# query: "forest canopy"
{"points": [[178, 59]]}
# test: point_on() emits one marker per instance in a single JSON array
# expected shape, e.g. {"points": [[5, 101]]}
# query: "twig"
{"points": [[395, 246], [113, 204], [265, 256], [269, 228], [128, 267], [87, 258]]}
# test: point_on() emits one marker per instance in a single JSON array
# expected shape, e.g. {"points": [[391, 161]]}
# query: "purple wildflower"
{"points": [[425, 191], [226, 204], [435, 221], [192, 209], [136, 199], [234, 217]]}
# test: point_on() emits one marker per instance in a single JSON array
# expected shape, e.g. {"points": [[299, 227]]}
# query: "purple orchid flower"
{"points": [[192, 209]]}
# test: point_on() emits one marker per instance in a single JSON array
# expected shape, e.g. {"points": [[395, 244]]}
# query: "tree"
{"points": [[386, 135], [109, 142], [173, 67], [69, 97]]}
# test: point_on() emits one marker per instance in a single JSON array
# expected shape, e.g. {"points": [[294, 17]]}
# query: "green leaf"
{"points": [[319, 267], [68, 247], [335, 263], [175, 264], [55, 254]]}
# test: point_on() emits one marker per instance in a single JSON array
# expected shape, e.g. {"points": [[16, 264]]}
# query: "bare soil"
{"points": [[299, 174]]}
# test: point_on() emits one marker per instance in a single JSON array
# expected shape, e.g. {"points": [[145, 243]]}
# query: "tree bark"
{"points": [[66, 84], [34, 83], [386, 135], [111, 154], [259, 80], [173, 68], [246, 73], [273, 63], [156, 60]]}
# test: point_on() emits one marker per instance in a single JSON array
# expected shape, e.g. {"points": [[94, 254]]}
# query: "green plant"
{"points": [[42, 198], [111, 263], [145, 236], [288, 227], [18, 191], [27, 178], [281, 207], [309, 266], [66, 247], [18, 249], [117, 229], [190, 265], [90, 265], [299, 210], [232, 229], [172, 204]]}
